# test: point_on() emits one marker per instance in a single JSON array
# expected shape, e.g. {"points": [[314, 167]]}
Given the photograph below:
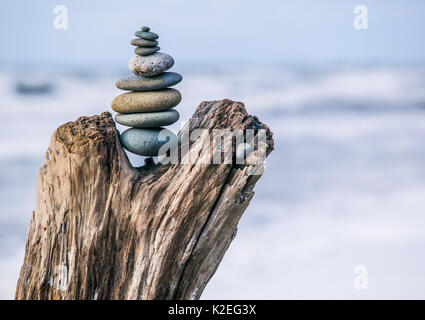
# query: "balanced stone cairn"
{"points": [[149, 105]]}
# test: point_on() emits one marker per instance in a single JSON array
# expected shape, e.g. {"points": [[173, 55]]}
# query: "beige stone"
{"points": [[132, 102]]}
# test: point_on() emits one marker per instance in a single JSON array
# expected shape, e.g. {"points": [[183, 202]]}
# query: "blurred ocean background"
{"points": [[345, 185]]}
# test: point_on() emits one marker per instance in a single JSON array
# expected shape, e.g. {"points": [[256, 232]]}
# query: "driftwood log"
{"points": [[102, 229]]}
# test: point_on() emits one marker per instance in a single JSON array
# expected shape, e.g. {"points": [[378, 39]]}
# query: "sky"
{"points": [[213, 31]]}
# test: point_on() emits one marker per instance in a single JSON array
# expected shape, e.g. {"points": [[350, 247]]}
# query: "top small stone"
{"points": [[146, 35], [146, 29]]}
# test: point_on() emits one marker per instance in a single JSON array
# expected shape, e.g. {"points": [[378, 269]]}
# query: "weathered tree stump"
{"points": [[103, 229]]}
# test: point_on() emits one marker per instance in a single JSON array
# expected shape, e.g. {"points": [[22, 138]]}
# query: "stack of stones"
{"points": [[149, 105]]}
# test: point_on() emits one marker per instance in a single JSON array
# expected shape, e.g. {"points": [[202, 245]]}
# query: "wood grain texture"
{"points": [[102, 229]]}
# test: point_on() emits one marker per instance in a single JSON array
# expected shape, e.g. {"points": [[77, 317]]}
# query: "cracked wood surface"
{"points": [[102, 229]]}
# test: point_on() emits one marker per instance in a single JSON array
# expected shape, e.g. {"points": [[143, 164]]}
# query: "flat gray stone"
{"points": [[147, 142], [141, 83], [148, 119], [139, 42], [142, 51], [151, 65], [146, 35], [147, 101]]}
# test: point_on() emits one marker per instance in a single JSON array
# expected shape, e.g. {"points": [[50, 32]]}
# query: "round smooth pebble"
{"points": [[141, 83], [151, 65], [148, 142], [132, 102], [145, 28], [142, 51], [139, 42], [148, 119], [146, 35]]}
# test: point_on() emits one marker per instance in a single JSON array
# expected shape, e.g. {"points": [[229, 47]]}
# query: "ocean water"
{"points": [[345, 185]]}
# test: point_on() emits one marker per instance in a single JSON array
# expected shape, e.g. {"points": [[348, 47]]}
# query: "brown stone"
{"points": [[132, 102]]}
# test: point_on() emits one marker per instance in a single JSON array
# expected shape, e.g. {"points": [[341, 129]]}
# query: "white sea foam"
{"points": [[344, 186]]}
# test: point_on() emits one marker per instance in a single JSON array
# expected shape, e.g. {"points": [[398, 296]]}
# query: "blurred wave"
{"points": [[344, 186]]}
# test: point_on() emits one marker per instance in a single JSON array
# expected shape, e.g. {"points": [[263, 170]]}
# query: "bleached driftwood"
{"points": [[102, 229]]}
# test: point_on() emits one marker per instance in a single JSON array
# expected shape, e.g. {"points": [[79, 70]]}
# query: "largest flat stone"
{"points": [[147, 142], [132, 102], [141, 83], [151, 65]]}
